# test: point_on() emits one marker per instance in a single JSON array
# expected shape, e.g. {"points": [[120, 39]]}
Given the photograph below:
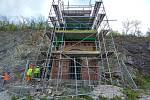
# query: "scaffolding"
{"points": [[80, 54]]}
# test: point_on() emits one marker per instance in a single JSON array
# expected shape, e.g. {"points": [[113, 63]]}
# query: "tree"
{"points": [[136, 28], [127, 25], [131, 27], [148, 32], [23, 23], [114, 33], [40, 22]]}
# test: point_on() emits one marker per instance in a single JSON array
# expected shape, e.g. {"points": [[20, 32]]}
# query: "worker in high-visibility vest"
{"points": [[29, 73], [48, 70], [6, 78], [37, 72]]}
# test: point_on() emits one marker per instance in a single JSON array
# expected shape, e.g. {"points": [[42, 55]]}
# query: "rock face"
{"points": [[137, 51], [17, 47], [145, 97], [108, 91], [5, 96]]}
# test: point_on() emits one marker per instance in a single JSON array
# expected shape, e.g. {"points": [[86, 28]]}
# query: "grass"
{"points": [[70, 98], [14, 98], [102, 98], [116, 98], [82, 97], [131, 94], [43, 98], [147, 82], [85, 97], [114, 34], [29, 98], [142, 81]]}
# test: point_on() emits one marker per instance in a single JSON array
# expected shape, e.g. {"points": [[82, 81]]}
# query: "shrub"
{"points": [[29, 98], [116, 98], [86, 97], [131, 94], [43, 98], [83, 97], [37, 23], [114, 34], [102, 98], [142, 81], [13, 98]]}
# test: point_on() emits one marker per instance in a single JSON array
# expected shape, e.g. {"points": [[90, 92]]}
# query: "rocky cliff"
{"points": [[18, 46], [136, 50]]}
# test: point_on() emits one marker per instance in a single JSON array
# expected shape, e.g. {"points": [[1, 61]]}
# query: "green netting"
{"points": [[78, 22], [78, 35], [79, 39], [78, 25], [76, 31], [82, 19], [88, 39], [59, 40]]}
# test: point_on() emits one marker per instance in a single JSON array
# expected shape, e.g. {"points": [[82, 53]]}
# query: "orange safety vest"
{"points": [[6, 77]]}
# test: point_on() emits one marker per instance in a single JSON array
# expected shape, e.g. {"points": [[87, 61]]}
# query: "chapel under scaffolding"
{"points": [[80, 54]]}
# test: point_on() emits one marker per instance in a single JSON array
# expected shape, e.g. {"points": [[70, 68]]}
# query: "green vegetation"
{"points": [[143, 81], [114, 34], [102, 98], [38, 23], [85, 97], [43, 98], [148, 33], [82, 97], [14, 98], [29, 98], [116, 98], [131, 94], [70, 98], [85, 89]]}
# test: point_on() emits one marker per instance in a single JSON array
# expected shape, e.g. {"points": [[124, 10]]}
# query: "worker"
{"points": [[6, 78], [48, 70], [37, 72], [31, 65], [29, 73], [43, 70]]}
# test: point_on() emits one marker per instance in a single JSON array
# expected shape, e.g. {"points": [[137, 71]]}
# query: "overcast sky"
{"points": [[116, 9]]}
